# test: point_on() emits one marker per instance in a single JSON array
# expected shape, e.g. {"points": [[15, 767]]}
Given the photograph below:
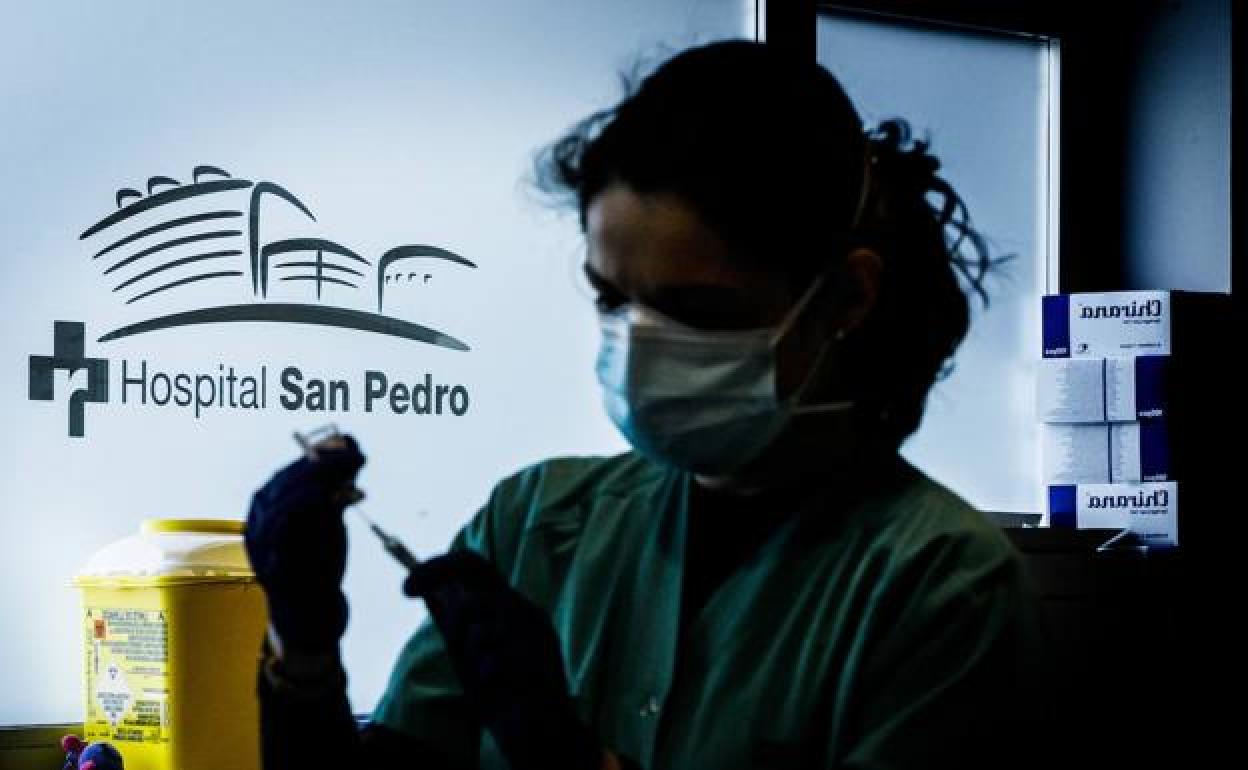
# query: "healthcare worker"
{"points": [[763, 582]]}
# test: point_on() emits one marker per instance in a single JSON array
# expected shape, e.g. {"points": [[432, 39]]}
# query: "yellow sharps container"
{"points": [[172, 623]]}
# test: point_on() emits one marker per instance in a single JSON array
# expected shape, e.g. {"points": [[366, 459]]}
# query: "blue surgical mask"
{"points": [[705, 401]]}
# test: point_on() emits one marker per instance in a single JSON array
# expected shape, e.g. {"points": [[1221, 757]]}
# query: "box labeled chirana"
{"points": [[1106, 324], [1148, 510]]}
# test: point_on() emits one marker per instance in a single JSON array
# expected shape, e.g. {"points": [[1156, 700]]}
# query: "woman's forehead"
{"points": [[640, 243]]}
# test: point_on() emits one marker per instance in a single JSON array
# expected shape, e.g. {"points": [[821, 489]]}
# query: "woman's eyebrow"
{"points": [[692, 298], [691, 302]]}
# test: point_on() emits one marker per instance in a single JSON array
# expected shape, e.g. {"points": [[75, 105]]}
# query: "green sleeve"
{"points": [[423, 698], [950, 679]]}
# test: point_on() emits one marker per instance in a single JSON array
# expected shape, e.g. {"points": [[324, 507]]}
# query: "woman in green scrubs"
{"points": [[763, 582]]}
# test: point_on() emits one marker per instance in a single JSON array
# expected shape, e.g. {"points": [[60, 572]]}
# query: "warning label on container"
{"points": [[127, 675]]}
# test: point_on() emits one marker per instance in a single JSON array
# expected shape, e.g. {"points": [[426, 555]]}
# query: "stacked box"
{"points": [[1107, 453], [1103, 395], [1100, 390], [1148, 510]]}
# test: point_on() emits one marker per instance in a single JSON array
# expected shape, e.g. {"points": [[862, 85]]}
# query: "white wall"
{"points": [[983, 101], [396, 122]]}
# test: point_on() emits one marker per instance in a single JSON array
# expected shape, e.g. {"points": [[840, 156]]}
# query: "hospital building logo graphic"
{"points": [[207, 238]]}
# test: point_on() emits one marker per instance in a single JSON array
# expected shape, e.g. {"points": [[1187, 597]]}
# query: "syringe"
{"points": [[392, 544]]}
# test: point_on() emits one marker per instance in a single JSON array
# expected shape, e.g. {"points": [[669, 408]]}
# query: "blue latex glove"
{"points": [[507, 656], [297, 542], [100, 756]]}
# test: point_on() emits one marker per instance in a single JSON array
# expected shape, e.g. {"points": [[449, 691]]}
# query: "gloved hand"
{"points": [[297, 542], [506, 654], [80, 755]]}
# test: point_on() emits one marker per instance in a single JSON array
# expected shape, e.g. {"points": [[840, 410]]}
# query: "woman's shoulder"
{"points": [[565, 489], [919, 517]]}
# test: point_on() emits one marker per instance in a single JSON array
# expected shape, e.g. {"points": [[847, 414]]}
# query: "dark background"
{"points": [[1145, 650]]}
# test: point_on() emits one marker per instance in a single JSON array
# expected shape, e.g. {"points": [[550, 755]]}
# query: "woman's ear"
{"points": [[859, 288], [847, 297]]}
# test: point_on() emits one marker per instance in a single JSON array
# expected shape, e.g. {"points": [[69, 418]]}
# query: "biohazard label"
{"points": [[127, 675]]}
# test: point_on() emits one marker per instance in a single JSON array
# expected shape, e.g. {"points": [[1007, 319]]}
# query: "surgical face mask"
{"points": [[705, 401]]}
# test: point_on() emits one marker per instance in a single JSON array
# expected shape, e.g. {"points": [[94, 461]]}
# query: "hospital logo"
{"points": [[208, 240], [222, 250], [68, 356]]}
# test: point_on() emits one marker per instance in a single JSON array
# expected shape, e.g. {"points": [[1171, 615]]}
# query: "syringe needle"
{"points": [[392, 544], [363, 517]]}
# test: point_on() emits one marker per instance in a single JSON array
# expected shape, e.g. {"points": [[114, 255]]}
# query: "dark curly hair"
{"points": [[772, 155]]}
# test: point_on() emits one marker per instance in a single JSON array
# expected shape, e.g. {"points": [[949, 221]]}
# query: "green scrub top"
{"points": [[895, 630]]}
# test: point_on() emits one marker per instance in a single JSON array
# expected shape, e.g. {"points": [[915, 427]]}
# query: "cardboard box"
{"points": [[1134, 323], [1085, 390], [1148, 510], [1106, 324], [1109, 453]]}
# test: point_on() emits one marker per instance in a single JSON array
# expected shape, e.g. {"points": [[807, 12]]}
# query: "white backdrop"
{"points": [[983, 100], [393, 123]]}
